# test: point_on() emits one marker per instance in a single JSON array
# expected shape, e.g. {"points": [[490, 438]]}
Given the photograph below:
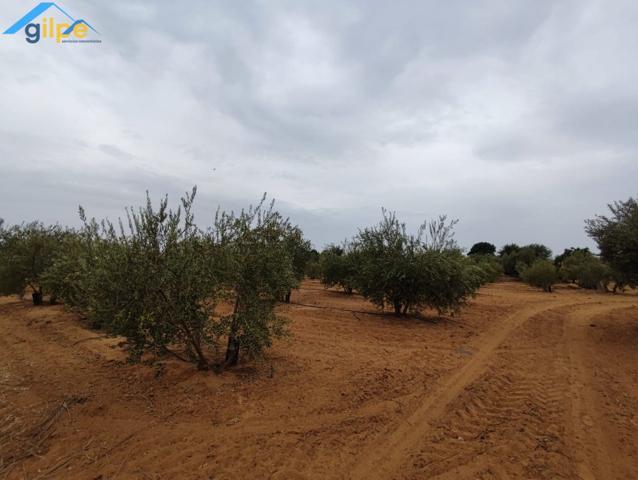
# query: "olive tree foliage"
{"points": [[156, 278], [26, 252], [482, 256], [408, 271], [490, 267], [585, 269], [595, 274], [515, 259], [301, 254], [313, 266], [617, 238], [568, 252], [152, 279], [541, 273], [256, 245], [338, 267], [437, 235]]}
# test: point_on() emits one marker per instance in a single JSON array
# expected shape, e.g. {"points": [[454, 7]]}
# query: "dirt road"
{"points": [[522, 384]]}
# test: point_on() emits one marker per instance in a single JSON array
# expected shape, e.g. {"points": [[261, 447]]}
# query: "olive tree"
{"points": [[68, 275], [300, 250], [489, 267], [515, 259], [617, 238], [584, 268], [568, 252], [482, 248], [542, 274], [313, 265], [594, 274], [152, 279], [26, 252], [338, 267], [260, 271], [411, 271]]}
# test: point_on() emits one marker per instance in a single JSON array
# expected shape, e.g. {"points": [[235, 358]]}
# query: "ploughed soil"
{"points": [[521, 384]]}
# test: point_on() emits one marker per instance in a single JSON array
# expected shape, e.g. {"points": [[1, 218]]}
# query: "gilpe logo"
{"points": [[69, 30]]}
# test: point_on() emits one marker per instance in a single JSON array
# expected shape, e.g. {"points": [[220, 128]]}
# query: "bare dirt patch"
{"points": [[522, 384]]}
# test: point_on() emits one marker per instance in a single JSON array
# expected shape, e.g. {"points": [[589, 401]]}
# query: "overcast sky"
{"points": [[519, 118]]}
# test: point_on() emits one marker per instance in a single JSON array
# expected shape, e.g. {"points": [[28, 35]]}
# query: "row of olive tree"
{"points": [[157, 278], [404, 271], [26, 252]]}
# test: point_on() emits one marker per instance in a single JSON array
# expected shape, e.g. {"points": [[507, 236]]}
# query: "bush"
{"points": [[26, 252], [412, 271], [541, 274]]}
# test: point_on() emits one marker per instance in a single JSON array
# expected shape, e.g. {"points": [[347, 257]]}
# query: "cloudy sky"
{"points": [[519, 118]]}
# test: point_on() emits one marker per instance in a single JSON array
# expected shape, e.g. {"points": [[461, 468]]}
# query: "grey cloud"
{"points": [[115, 151], [518, 118]]}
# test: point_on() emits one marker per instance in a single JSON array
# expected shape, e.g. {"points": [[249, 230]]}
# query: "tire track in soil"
{"points": [[529, 415], [590, 452], [384, 458], [509, 423]]}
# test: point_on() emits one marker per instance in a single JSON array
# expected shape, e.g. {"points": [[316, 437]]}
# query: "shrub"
{"points": [[541, 274], [26, 252]]}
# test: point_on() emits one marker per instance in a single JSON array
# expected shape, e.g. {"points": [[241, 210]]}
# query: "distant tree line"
{"points": [[614, 269]]}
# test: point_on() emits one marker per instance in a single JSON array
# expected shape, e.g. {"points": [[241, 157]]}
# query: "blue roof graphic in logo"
{"points": [[38, 10]]}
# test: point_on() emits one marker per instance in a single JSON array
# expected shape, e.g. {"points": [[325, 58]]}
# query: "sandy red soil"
{"points": [[521, 384]]}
